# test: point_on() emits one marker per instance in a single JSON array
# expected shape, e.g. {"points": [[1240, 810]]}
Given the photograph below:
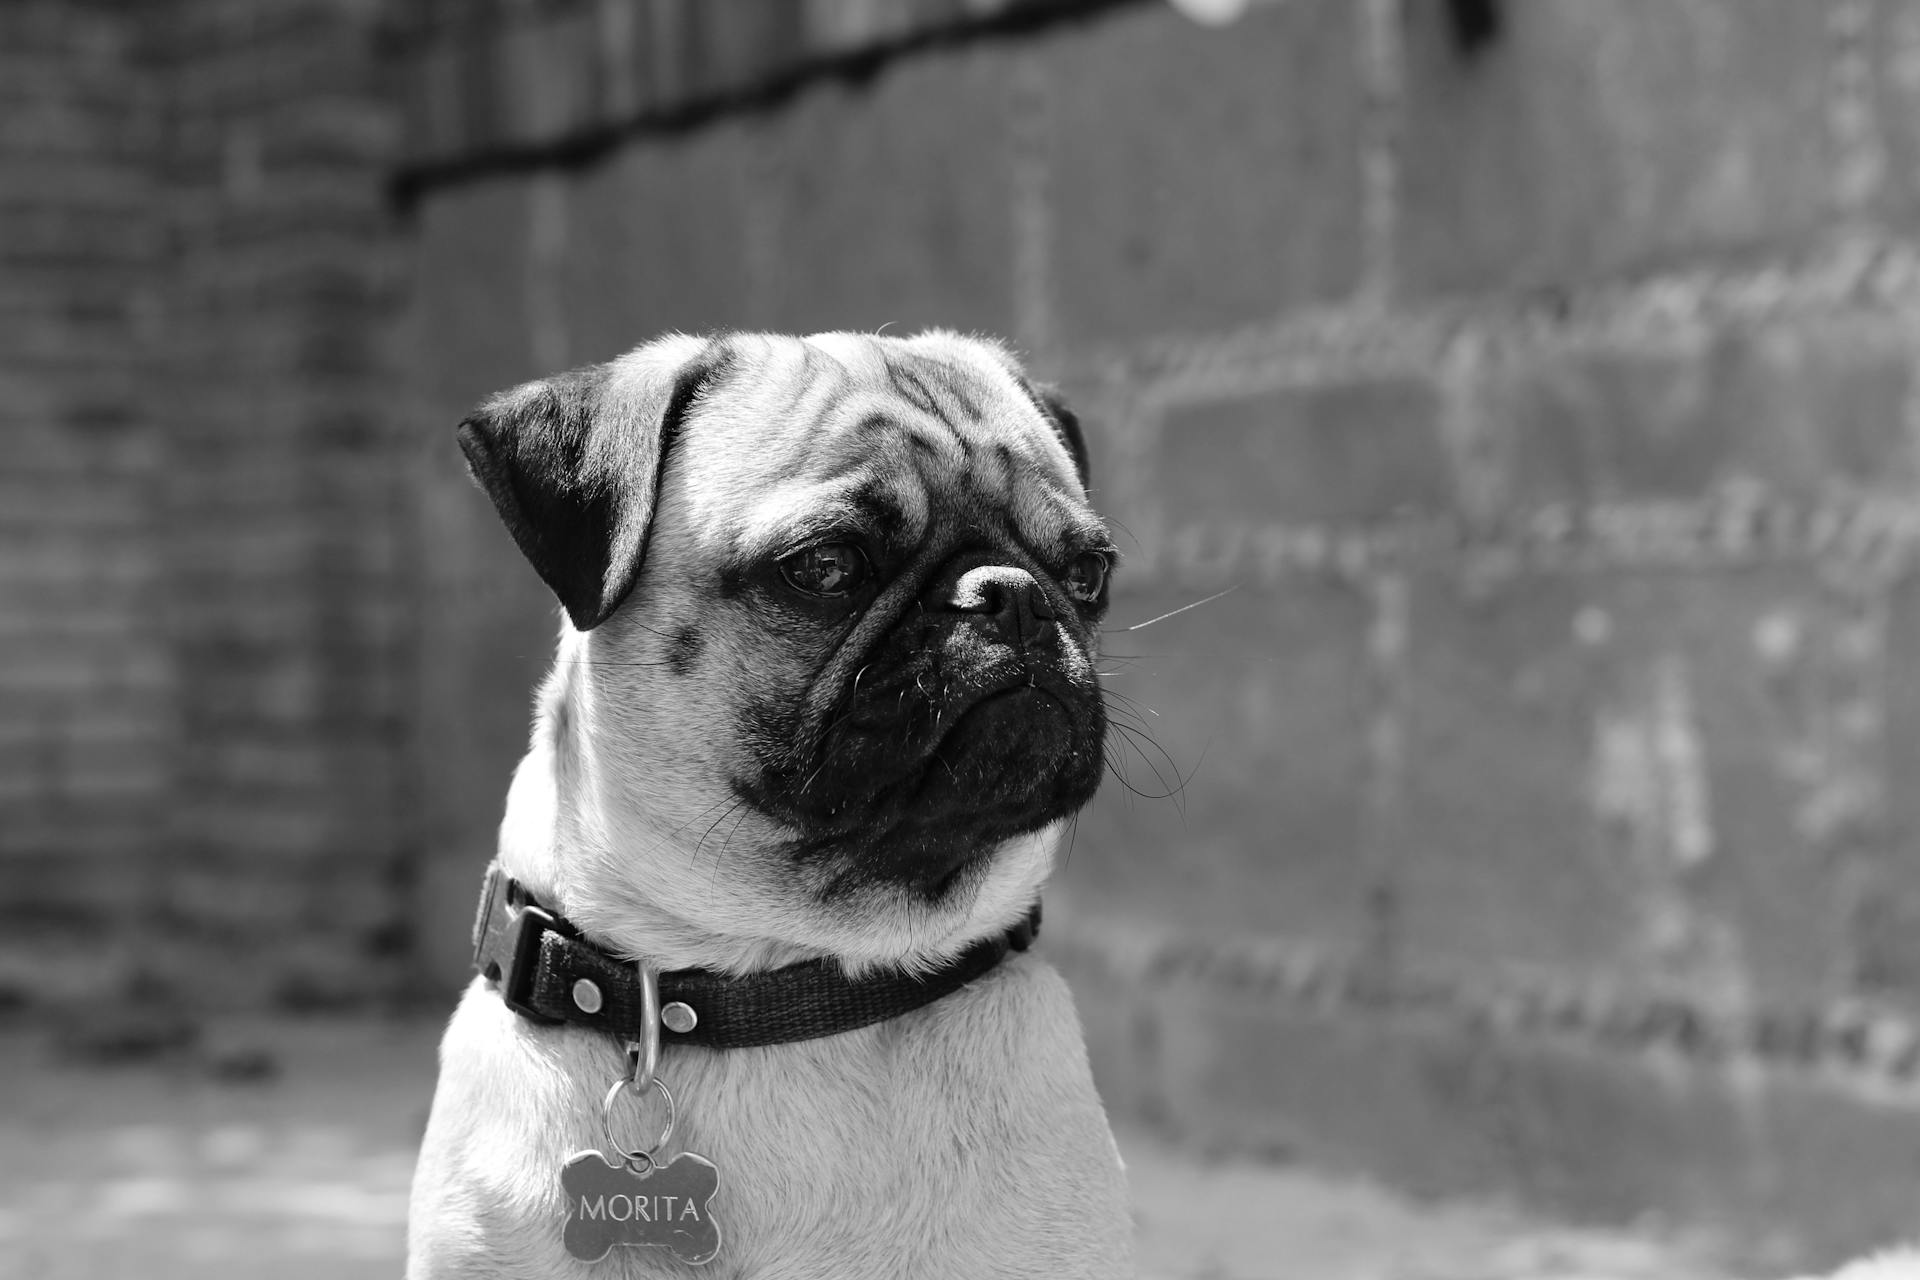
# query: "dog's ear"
{"points": [[1066, 423], [573, 464]]}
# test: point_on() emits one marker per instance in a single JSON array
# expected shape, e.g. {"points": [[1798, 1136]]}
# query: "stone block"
{"points": [[1344, 454], [1201, 179], [85, 869], [1801, 410], [1598, 139], [891, 201], [1632, 777], [655, 241]]}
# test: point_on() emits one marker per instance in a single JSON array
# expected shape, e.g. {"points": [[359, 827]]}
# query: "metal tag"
{"points": [[667, 1206]]}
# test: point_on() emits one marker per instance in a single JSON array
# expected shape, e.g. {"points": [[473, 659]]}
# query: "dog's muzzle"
{"points": [[973, 719]]}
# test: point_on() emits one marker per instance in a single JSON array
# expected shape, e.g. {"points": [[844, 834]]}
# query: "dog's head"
{"points": [[834, 605]]}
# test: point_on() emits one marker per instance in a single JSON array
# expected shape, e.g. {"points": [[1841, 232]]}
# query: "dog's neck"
{"points": [[548, 846], [582, 835]]}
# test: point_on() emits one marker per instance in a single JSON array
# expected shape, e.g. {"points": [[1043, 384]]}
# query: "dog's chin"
{"points": [[869, 921], [1012, 763]]}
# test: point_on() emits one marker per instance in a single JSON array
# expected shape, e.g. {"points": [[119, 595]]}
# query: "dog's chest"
{"points": [[958, 1141]]}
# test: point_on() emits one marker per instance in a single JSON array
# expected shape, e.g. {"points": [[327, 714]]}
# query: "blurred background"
{"points": [[1531, 826]]}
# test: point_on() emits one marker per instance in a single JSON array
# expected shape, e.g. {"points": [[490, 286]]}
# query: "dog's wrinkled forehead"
{"points": [[836, 428]]}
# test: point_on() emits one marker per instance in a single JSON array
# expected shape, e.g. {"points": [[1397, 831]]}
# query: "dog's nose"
{"points": [[1002, 592]]}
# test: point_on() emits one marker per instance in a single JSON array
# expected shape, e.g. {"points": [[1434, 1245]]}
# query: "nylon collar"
{"points": [[547, 972]]}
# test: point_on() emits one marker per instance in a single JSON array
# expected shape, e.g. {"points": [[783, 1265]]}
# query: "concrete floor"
{"points": [[160, 1168]]}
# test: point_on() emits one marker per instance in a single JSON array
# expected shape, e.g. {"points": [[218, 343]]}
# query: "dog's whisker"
{"points": [[1117, 765], [1136, 735], [713, 826], [717, 804], [739, 821], [1129, 716], [1133, 738], [1073, 835], [1182, 609], [1128, 701], [718, 857]]}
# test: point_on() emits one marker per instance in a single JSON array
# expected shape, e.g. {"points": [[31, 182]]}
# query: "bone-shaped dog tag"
{"points": [[669, 1206]]}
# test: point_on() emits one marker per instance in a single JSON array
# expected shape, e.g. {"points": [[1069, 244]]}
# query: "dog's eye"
{"points": [[1086, 576], [830, 569]]}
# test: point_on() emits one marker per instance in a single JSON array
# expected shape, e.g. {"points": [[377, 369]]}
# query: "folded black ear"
{"points": [[573, 465], [1067, 423]]}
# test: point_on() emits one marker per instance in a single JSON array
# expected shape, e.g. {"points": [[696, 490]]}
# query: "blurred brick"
{"points": [[1595, 139], [1799, 409], [78, 869], [1885, 938], [1339, 454], [192, 258], [75, 35], [1258, 701], [344, 132], [893, 201], [1201, 179], [1604, 776]]}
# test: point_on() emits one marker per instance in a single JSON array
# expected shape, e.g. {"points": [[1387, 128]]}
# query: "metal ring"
{"points": [[637, 1154], [643, 1055]]}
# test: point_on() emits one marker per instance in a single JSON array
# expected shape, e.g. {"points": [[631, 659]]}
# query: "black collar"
{"points": [[547, 972]]}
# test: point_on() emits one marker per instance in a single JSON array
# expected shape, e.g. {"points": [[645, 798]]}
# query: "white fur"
{"points": [[964, 1139], [1894, 1264]]}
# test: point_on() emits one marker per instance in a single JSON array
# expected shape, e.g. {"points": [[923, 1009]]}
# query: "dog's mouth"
{"points": [[924, 797]]}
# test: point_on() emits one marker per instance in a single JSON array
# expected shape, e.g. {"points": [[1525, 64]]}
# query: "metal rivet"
{"points": [[587, 995], [679, 1017]]}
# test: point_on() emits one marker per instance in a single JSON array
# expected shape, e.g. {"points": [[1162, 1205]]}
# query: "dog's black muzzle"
{"points": [[975, 718]]}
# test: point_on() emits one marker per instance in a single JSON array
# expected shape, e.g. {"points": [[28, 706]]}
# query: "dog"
{"points": [[824, 701]]}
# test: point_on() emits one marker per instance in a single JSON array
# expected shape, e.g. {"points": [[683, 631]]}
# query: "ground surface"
{"points": [[286, 1148]]}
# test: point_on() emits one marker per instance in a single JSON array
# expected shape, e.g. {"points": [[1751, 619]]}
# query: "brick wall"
{"points": [[202, 606], [1544, 394], [286, 588], [86, 704], [1547, 401]]}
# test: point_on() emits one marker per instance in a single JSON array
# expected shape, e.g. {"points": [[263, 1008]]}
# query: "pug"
{"points": [[824, 701]]}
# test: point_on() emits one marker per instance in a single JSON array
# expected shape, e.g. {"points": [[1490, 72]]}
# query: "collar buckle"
{"points": [[506, 944]]}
